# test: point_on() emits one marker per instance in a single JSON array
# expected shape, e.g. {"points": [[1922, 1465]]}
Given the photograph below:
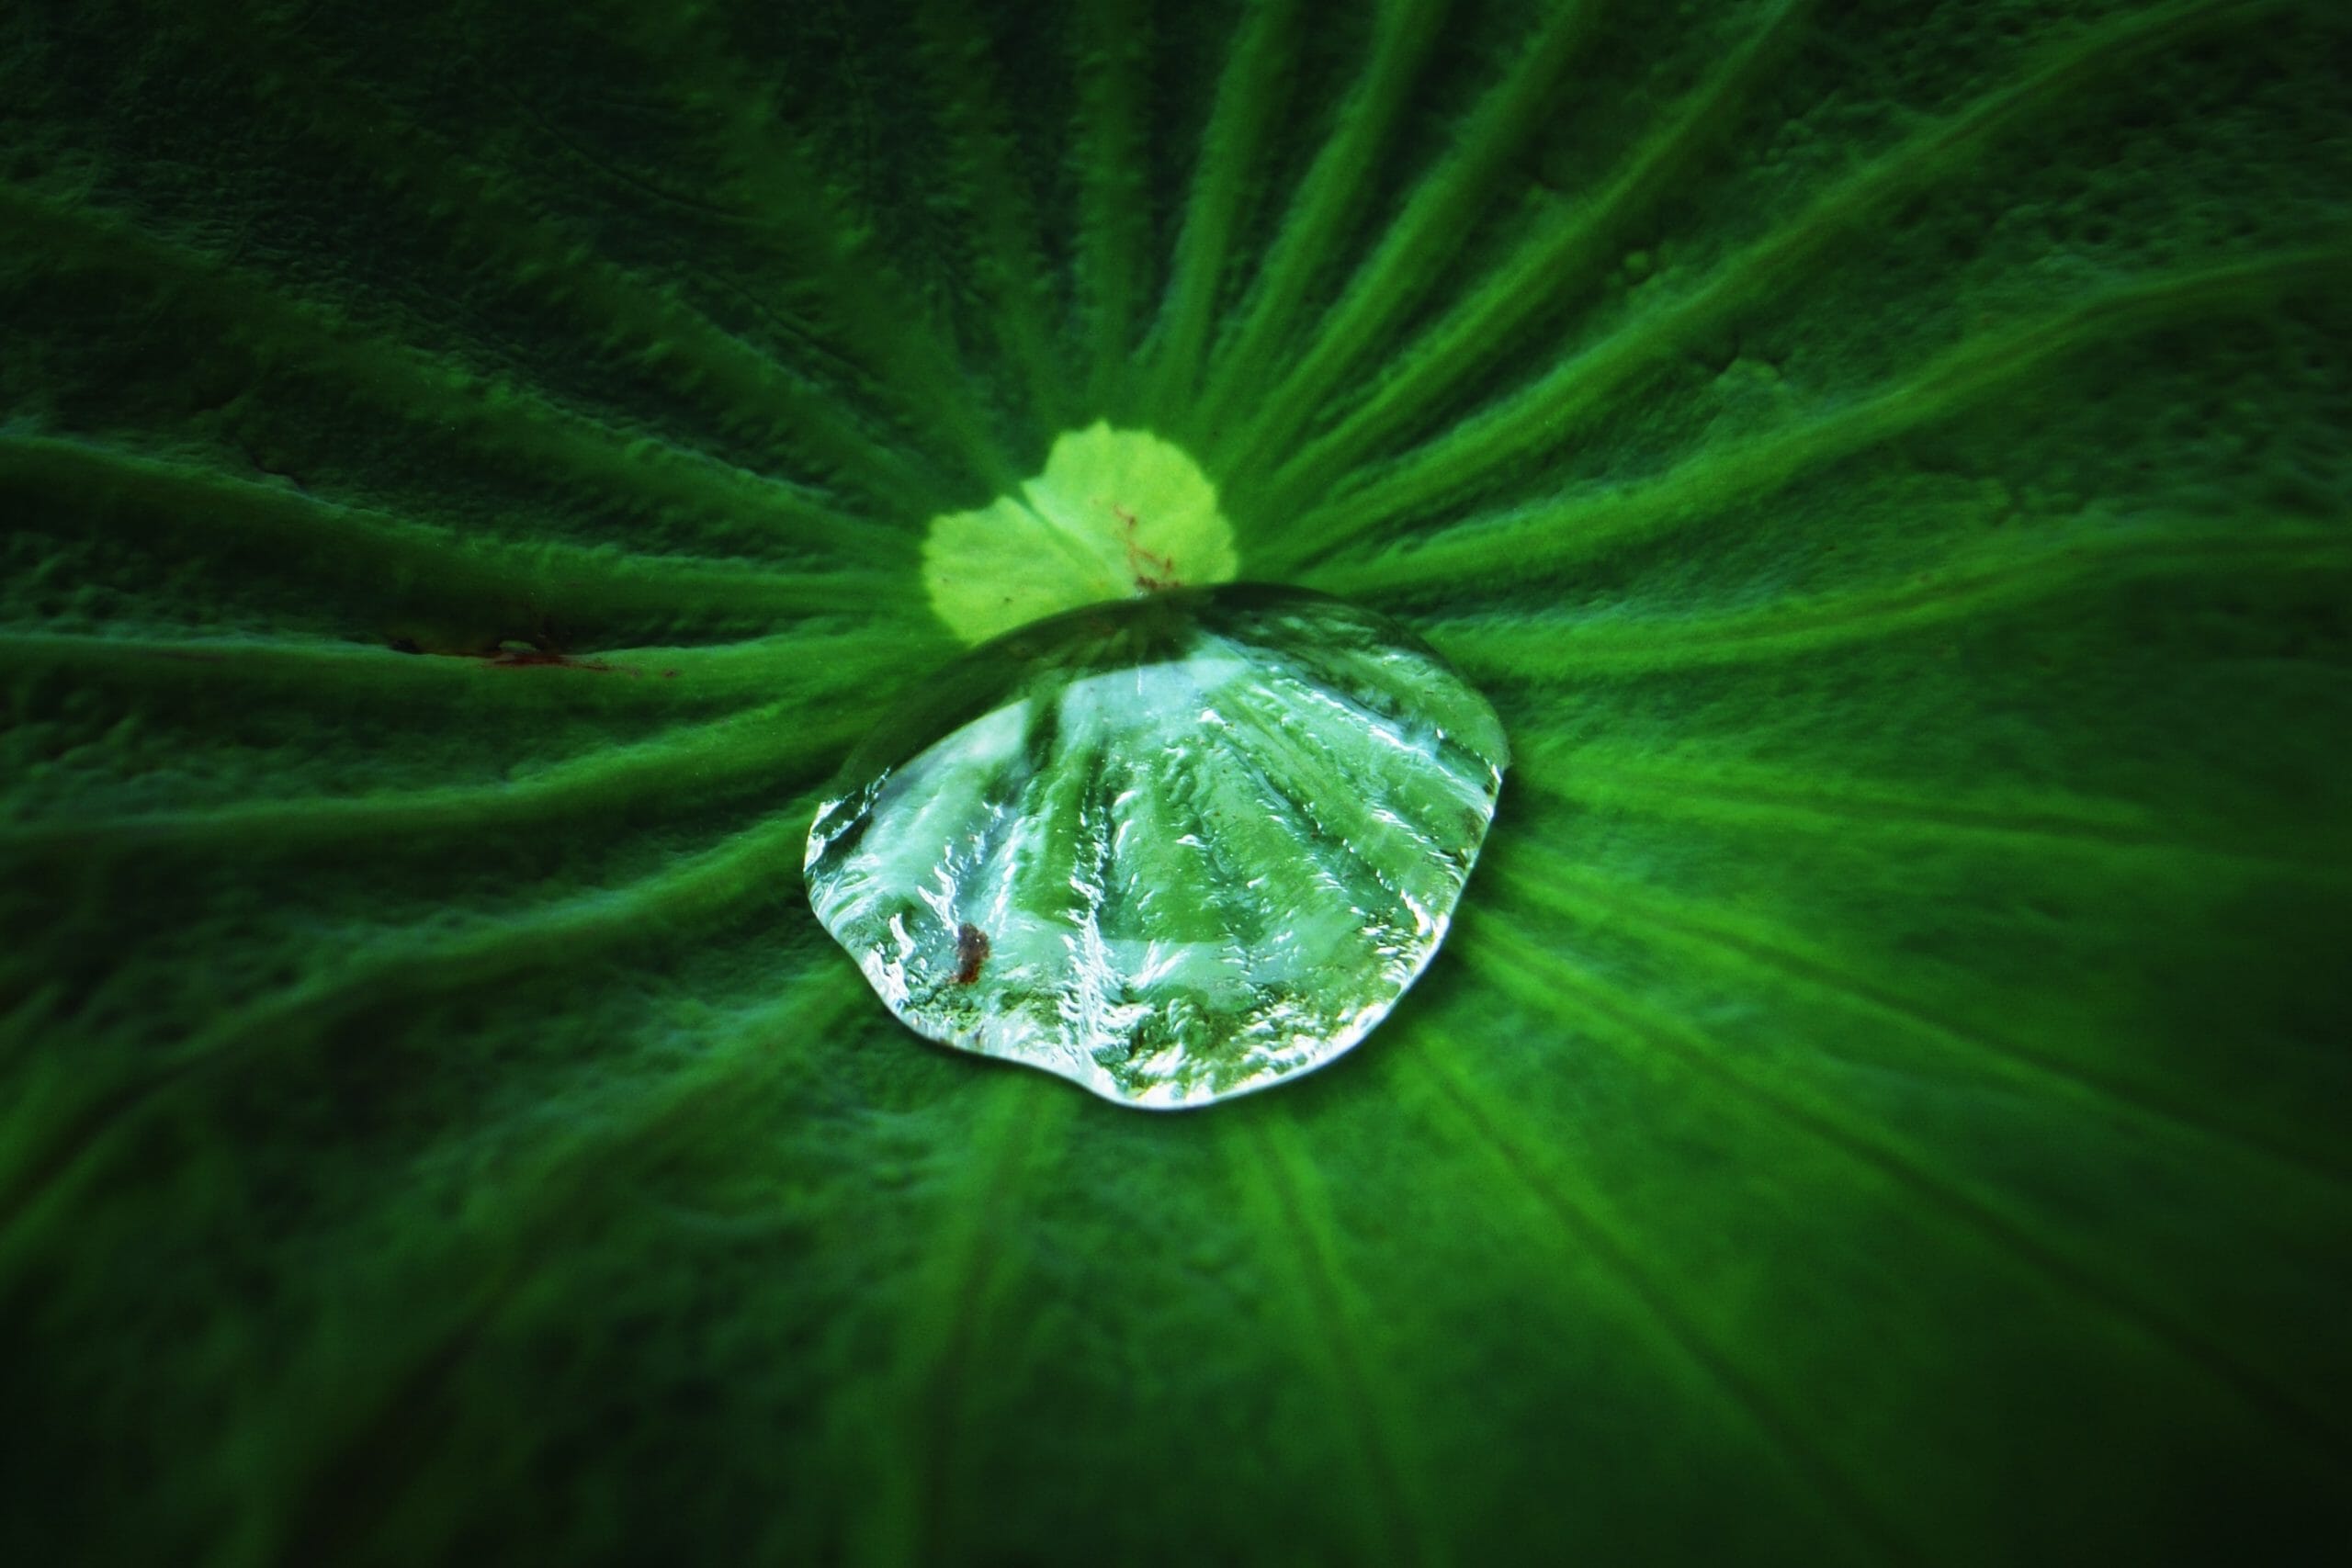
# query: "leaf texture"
{"points": [[1885, 1098]]}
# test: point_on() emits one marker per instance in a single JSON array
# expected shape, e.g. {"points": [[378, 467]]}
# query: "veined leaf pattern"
{"points": [[466, 472]]}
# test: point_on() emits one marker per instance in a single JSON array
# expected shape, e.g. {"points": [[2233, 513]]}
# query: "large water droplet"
{"points": [[1174, 849]]}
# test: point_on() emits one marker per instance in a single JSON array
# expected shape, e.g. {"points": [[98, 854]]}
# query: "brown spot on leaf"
{"points": [[971, 953]]}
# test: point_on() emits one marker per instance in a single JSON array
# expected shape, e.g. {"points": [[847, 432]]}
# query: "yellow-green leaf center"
{"points": [[1117, 515]]}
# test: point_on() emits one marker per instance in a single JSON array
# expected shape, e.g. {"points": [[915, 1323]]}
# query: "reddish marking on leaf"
{"points": [[508, 656], [1163, 567], [971, 951], [540, 658]]}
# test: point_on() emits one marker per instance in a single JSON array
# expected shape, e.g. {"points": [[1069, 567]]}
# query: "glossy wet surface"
{"points": [[1174, 849]]}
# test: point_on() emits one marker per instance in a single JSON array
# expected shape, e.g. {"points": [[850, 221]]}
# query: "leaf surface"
{"points": [[1885, 1095]]}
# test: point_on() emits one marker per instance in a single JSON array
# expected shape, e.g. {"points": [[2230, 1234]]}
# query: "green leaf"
{"points": [[469, 474]]}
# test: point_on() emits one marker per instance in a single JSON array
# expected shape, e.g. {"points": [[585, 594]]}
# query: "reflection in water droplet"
{"points": [[1173, 849]]}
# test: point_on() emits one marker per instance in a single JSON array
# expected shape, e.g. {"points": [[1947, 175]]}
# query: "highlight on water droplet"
{"points": [[1174, 849]]}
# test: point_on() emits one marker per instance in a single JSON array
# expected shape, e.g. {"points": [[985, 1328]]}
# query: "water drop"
{"points": [[1173, 849]]}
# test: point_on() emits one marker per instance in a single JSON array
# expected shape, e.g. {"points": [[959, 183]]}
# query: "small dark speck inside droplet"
{"points": [[971, 951]]}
